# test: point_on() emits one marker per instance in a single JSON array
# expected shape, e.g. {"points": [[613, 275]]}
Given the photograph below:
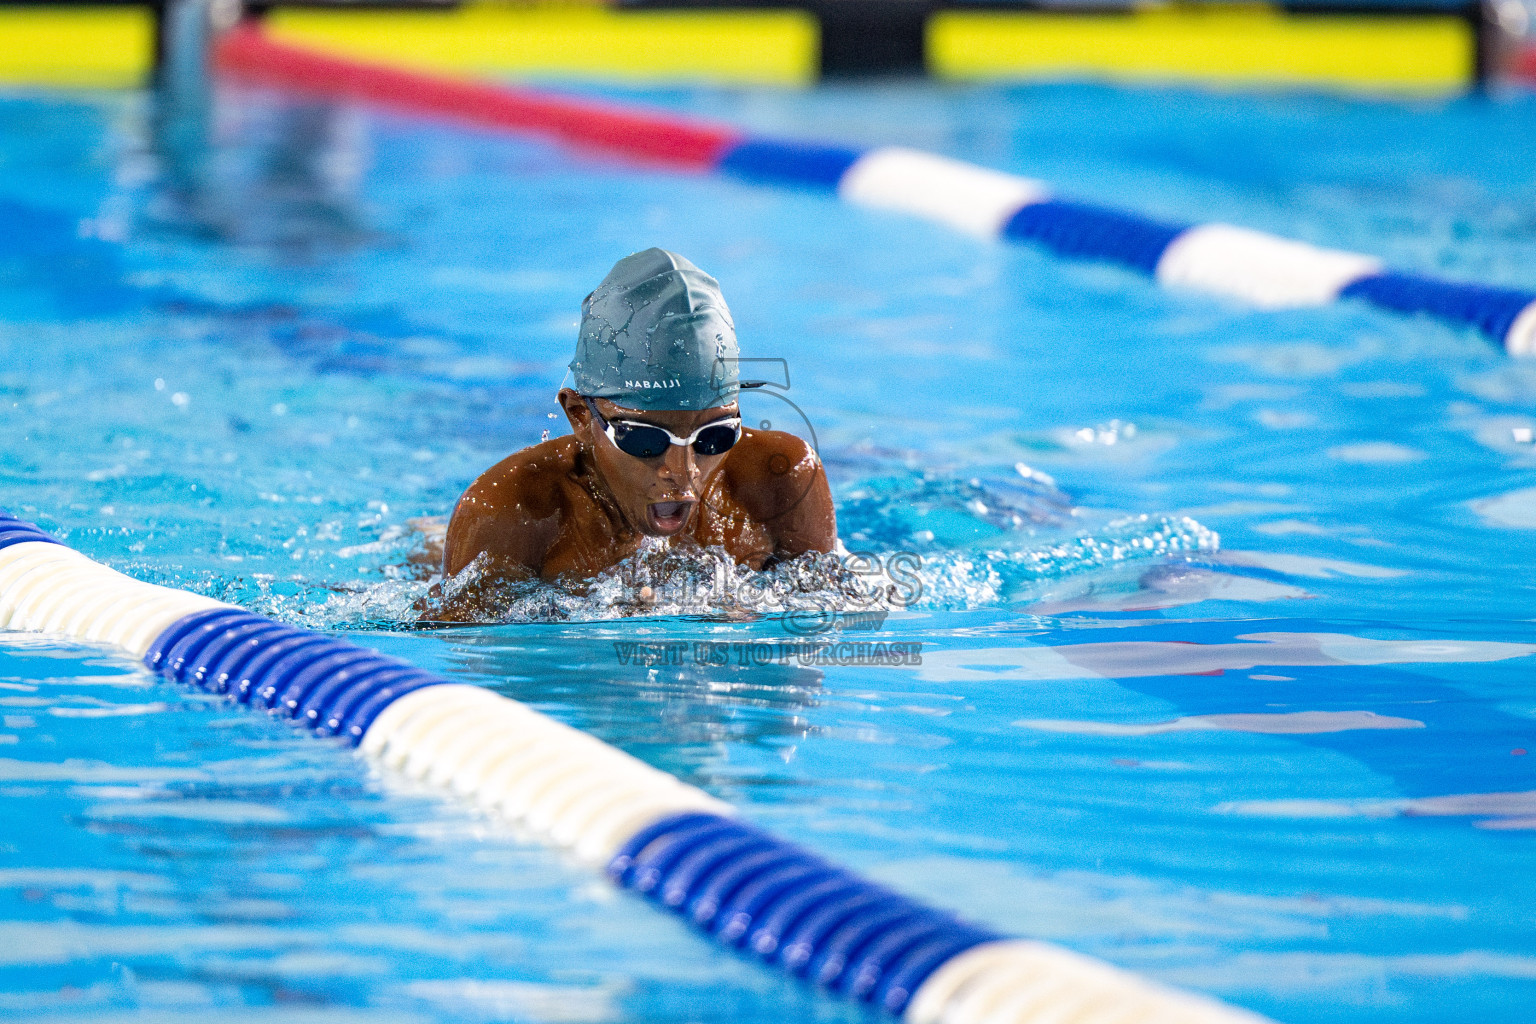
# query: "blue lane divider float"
{"points": [[1258, 268], [757, 893], [670, 842], [15, 531]]}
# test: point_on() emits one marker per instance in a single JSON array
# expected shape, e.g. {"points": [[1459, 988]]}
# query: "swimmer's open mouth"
{"points": [[668, 516]]}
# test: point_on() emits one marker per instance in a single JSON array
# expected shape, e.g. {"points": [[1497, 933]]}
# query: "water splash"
{"points": [[661, 580], [922, 541], [1016, 572]]}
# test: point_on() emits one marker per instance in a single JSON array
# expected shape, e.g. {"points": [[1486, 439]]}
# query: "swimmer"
{"points": [[657, 449]]}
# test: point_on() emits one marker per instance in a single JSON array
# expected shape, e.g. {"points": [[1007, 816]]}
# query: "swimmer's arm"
{"points": [[802, 517], [811, 525]]}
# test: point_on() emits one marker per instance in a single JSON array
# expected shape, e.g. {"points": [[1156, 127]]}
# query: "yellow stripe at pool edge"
{"points": [[1244, 46], [90, 47], [756, 47], [111, 46]]}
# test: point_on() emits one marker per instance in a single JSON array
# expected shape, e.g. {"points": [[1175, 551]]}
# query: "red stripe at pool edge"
{"points": [[247, 55], [1525, 64]]}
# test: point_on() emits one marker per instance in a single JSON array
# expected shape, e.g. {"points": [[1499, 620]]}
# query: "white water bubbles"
{"points": [[668, 581]]}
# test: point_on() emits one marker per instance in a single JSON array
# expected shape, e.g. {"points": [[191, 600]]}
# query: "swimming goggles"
{"points": [[647, 441]]}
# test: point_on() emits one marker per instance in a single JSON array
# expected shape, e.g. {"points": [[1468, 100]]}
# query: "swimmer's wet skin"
{"points": [[656, 449]]}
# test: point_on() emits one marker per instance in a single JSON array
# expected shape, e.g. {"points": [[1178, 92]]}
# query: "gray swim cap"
{"points": [[656, 334]]}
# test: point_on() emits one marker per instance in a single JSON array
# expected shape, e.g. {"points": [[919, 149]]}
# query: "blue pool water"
{"points": [[1241, 700]]}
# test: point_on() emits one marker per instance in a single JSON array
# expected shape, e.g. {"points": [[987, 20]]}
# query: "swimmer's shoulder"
{"points": [[779, 480], [512, 510], [528, 480], [772, 455]]}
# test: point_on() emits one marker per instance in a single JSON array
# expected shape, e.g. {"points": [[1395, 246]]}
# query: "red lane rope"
{"points": [[247, 55]]}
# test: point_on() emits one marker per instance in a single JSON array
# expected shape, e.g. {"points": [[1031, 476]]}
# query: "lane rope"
{"points": [[652, 834], [1237, 263]]}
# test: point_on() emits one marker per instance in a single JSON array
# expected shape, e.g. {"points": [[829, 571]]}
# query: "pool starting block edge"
{"points": [[651, 833], [1253, 267]]}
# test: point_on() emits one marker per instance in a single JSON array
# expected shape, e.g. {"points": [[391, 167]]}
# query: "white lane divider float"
{"points": [[1258, 268], [973, 199]]}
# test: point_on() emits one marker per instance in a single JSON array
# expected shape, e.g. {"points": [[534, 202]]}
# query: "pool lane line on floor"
{"points": [[652, 833], [1260, 269]]}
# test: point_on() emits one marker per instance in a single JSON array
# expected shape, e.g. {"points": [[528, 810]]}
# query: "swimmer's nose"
{"points": [[678, 463]]}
